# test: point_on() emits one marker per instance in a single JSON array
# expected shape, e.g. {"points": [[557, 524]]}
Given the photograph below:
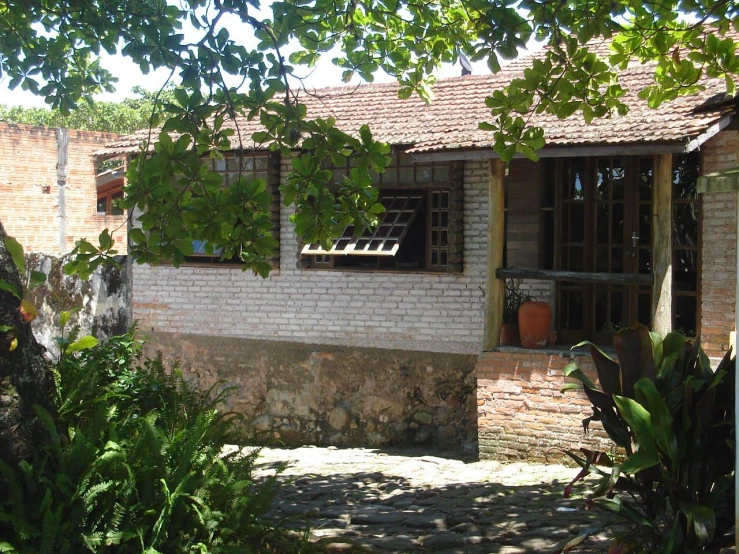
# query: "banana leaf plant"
{"points": [[672, 416]]}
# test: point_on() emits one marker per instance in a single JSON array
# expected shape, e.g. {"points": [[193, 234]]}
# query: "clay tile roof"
{"points": [[450, 121]]}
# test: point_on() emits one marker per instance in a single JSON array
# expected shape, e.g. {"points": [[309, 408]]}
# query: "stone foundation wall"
{"points": [[296, 393], [522, 415]]}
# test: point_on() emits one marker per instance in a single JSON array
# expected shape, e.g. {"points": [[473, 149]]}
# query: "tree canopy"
{"points": [[230, 57], [123, 117]]}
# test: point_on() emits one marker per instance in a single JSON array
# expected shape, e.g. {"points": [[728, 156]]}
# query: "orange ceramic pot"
{"points": [[534, 320], [509, 335]]}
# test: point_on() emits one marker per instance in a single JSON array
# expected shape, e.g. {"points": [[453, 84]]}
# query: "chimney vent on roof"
{"points": [[466, 65]]}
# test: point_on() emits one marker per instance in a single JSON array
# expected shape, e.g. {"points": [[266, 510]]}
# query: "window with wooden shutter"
{"points": [[421, 229]]}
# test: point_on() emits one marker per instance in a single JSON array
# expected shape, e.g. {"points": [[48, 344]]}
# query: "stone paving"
{"points": [[368, 500]]}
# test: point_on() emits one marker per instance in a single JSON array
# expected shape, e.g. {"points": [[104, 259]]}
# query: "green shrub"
{"points": [[674, 419], [134, 463]]}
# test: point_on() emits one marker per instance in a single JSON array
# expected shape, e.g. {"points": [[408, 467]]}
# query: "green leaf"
{"points": [[16, 253], [673, 343], [639, 461], [65, 315], [105, 240], [702, 519], [5, 328], [83, 343], [616, 506], [657, 348], [37, 279], [4, 285], [660, 416], [571, 370], [639, 420]]}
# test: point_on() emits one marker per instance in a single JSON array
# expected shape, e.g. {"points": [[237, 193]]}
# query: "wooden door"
{"points": [[605, 227]]}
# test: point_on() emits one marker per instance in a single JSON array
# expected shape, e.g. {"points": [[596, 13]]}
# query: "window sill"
{"points": [[210, 265], [383, 271], [102, 215], [563, 351]]}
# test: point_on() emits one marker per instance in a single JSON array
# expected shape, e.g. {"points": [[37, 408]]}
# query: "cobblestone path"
{"points": [[358, 500]]}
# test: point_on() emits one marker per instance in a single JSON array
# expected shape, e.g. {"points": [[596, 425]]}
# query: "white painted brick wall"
{"points": [[411, 311]]}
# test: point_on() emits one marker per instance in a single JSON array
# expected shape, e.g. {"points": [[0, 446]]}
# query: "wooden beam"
{"points": [[640, 149], [709, 133], [495, 288], [575, 276], [662, 245]]}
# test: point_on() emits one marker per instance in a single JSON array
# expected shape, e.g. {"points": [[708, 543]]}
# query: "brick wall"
{"points": [[412, 311], [718, 273], [29, 190], [521, 413]]}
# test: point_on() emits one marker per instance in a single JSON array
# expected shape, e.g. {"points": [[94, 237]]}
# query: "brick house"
{"points": [[395, 340], [52, 193]]}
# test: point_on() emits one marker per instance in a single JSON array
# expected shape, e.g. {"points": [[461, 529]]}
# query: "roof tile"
{"points": [[451, 120]]}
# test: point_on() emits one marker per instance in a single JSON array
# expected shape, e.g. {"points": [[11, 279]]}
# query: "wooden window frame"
{"points": [[442, 180], [380, 240], [230, 170], [697, 200], [108, 193]]}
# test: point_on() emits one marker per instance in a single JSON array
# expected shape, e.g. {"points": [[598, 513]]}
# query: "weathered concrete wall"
{"points": [[44, 214], [523, 415], [297, 393], [718, 273], [104, 300]]}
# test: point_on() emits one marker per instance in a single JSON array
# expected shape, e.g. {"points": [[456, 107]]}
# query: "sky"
{"points": [[129, 75]]}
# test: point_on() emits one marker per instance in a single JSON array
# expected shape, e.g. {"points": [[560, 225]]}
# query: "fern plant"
{"points": [[135, 462]]}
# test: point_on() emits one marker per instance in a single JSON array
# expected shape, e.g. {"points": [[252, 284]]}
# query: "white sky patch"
{"points": [[325, 74], [129, 75]]}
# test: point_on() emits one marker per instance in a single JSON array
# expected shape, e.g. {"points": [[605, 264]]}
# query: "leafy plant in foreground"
{"points": [[674, 419], [136, 462]]}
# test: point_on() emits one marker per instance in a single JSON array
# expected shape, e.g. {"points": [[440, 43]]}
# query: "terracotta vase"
{"points": [[534, 319], [509, 335]]}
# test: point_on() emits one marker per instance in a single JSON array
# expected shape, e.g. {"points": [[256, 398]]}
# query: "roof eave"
{"points": [[574, 151], [709, 133]]}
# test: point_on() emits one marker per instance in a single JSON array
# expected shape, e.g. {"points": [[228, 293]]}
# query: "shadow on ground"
{"points": [[380, 511]]}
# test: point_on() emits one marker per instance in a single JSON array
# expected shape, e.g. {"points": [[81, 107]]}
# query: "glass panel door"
{"points": [[605, 227]]}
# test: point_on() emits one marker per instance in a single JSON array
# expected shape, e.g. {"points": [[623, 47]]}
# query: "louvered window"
{"points": [[385, 240], [421, 229]]}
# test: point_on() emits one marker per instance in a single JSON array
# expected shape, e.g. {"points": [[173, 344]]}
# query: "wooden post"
{"points": [[662, 245], [495, 288]]}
